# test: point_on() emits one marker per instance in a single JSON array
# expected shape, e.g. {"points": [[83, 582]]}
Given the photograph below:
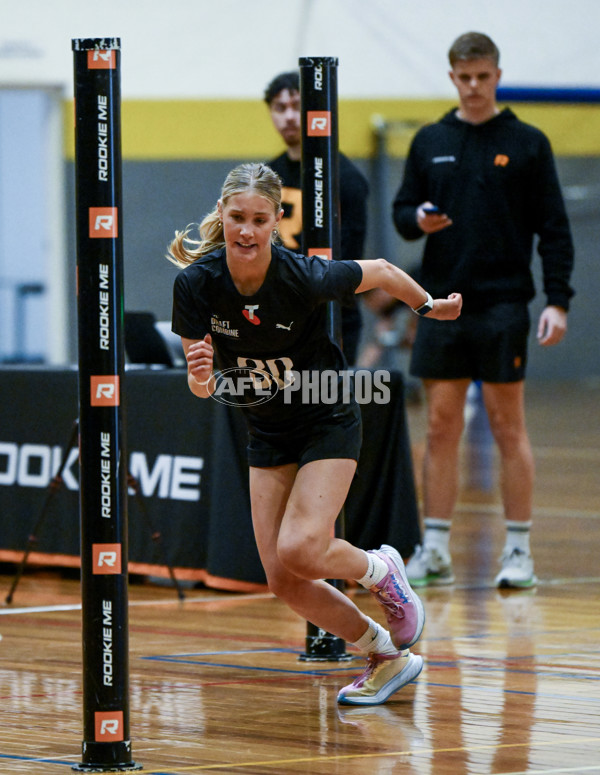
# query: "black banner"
{"points": [[102, 446], [189, 457]]}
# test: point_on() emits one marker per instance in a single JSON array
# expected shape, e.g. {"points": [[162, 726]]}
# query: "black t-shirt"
{"points": [[280, 329]]}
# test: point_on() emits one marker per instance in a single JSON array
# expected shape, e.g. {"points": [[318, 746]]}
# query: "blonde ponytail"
{"points": [[183, 250]]}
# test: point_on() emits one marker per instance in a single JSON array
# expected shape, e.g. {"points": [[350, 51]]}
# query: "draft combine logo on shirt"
{"points": [[249, 312], [218, 326]]}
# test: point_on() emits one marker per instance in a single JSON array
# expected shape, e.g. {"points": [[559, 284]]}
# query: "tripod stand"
{"points": [[53, 489]]}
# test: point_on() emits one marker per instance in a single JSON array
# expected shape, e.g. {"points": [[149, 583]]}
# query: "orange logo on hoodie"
{"points": [[501, 160]]}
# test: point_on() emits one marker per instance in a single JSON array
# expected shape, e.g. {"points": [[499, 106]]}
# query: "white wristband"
{"points": [[426, 307]]}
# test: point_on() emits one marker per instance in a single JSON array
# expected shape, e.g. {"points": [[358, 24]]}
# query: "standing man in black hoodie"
{"points": [[481, 185]]}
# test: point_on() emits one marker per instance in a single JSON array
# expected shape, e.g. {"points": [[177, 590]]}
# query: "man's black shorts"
{"points": [[336, 435], [488, 345]]}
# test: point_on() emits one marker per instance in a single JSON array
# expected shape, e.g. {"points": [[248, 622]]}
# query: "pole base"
{"points": [[106, 768], [107, 757], [321, 646], [332, 658]]}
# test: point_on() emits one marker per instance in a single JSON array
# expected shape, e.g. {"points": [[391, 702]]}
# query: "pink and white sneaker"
{"points": [[383, 675], [402, 607]]}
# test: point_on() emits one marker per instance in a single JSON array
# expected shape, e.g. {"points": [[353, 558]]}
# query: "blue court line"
{"points": [[332, 671], [488, 689], [491, 669], [185, 659], [492, 635], [235, 666], [32, 759]]}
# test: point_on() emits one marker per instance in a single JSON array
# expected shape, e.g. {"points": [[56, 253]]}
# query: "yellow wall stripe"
{"points": [[170, 130]]}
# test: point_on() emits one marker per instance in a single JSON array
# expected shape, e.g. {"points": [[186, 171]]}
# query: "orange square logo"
{"points": [[101, 60], [104, 390], [501, 160], [106, 559], [108, 726], [318, 123], [321, 252], [103, 222]]}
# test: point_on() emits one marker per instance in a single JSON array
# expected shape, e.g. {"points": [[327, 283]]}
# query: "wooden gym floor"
{"points": [[511, 682]]}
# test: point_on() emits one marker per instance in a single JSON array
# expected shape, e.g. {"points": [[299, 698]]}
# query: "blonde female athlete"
{"points": [[257, 312]]}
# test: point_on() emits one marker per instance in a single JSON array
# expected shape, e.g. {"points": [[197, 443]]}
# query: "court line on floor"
{"points": [[414, 754], [201, 661], [538, 511], [136, 603], [269, 596]]}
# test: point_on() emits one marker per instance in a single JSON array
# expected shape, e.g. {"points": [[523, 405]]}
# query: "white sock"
{"points": [[376, 571], [376, 640], [437, 534], [517, 536]]}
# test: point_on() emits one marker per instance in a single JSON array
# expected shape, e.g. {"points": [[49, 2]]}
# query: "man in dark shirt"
{"points": [[481, 184], [282, 96]]}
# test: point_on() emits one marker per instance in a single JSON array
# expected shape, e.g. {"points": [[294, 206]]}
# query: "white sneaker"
{"points": [[429, 567], [383, 675], [517, 570]]}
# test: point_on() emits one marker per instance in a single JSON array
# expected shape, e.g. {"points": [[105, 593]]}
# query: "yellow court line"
{"points": [[553, 771], [388, 754]]}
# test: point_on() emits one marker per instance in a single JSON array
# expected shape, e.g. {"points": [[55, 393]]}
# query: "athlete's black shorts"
{"points": [[488, 345], [336, 435]]}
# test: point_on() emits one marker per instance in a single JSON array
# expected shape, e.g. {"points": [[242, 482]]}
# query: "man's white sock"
{"points": [[437, 535], [517, 536]]}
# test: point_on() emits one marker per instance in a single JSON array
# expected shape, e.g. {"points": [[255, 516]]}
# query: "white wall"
{"points": [[231, 48]]}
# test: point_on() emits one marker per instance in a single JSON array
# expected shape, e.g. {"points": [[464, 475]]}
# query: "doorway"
{"points": [[33, 310]]}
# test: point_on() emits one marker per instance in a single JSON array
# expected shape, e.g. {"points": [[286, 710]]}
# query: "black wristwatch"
{"points": [[426, 307]]}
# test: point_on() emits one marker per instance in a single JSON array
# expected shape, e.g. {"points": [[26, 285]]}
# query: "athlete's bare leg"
{"points": [[294, 512]]}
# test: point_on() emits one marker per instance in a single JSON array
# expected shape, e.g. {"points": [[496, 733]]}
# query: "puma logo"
{"points": [[287, 328]]}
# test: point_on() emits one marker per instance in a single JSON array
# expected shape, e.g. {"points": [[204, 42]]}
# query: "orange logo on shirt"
{"points": [[501, 160], [321, 252], [290, 226]]}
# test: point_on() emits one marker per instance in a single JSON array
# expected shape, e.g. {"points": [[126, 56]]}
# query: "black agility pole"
{"points": [[102, 448], [321, 237]]}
